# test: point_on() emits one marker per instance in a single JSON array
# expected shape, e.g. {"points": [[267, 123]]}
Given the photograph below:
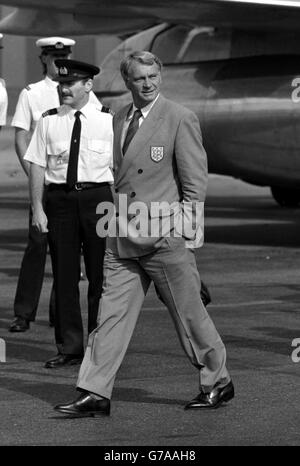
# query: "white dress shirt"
{"points": [[3, 102], [50, 145], [35, 99]]}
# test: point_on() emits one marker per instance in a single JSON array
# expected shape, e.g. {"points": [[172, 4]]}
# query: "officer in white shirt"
{"points": [[71, 150], [33, 101], [3, 103], [3, 98]]}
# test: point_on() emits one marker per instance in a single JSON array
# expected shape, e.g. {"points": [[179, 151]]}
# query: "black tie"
{"points": [[59, 94], [132, 129], [74, 151]]}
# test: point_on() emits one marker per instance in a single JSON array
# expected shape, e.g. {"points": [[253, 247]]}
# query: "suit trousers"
{"points": [[72, 223], [172, 268], [31, 276]]}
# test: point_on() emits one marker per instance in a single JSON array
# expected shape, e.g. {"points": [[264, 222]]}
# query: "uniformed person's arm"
{"points": [[21, 143], [36, 184], [36, 154], [3, 103], [22, 120]]}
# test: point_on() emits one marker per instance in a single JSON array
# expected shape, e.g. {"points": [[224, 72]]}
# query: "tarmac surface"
{"points": [[251, 263]]}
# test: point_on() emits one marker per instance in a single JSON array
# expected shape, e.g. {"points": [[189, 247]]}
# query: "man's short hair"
{"points": [[142, 57]]}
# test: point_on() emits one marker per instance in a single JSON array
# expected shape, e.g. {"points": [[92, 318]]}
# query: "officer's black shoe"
{"points": [[63, 360], [19, 325], [212, 399], [85, 406]]}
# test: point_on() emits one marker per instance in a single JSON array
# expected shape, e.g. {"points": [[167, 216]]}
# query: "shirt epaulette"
{"points": [[28, 88], [106, 110], [52, 111]]}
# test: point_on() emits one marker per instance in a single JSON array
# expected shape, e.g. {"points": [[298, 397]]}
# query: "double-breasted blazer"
{"points": [[164, 163]]}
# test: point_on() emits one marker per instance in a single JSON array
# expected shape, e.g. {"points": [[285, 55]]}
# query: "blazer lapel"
{"points": [[145, 132]]}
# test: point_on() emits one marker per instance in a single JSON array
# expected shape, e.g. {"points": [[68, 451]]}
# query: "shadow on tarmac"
{"points": [[251, 221], [251, 263]]}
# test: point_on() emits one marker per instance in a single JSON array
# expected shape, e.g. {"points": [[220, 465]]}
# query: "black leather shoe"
{"points": [[63, 360], [85, 406], [19, 325], [212, 399]]}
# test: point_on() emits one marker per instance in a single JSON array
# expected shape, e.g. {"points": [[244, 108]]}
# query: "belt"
{"points": [[76, 187]]}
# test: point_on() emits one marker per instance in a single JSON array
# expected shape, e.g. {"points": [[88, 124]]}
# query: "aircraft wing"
{"points": [[76, 17]]}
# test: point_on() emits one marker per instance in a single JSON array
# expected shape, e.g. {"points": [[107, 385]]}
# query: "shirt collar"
{"points": [[145, 110], [85, 110]]}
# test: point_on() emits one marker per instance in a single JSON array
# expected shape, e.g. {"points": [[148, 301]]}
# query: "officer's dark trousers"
{"points": [[31, 276], [72, 223]]}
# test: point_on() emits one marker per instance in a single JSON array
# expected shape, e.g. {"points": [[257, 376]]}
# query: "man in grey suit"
{"points": [[160, 171]]}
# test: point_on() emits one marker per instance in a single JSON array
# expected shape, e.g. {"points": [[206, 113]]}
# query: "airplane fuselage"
{"points": [[249, 117]]}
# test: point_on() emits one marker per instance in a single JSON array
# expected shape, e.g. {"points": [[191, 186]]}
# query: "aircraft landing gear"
{"points": [[286, 197]]}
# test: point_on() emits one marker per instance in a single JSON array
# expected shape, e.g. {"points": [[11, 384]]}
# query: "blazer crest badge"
{"points": [[157, 153]]}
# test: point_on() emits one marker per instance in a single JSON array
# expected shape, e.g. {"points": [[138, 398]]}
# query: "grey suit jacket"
{"points": [[165, 162]]}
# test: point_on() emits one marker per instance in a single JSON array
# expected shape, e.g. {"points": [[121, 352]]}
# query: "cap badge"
{"points": [[59, 45], [63, 71], [157, 153]]}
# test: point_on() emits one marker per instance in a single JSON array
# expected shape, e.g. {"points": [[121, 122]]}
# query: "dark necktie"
{"points": [[59, 94], [132, 129], [74, 151]]}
